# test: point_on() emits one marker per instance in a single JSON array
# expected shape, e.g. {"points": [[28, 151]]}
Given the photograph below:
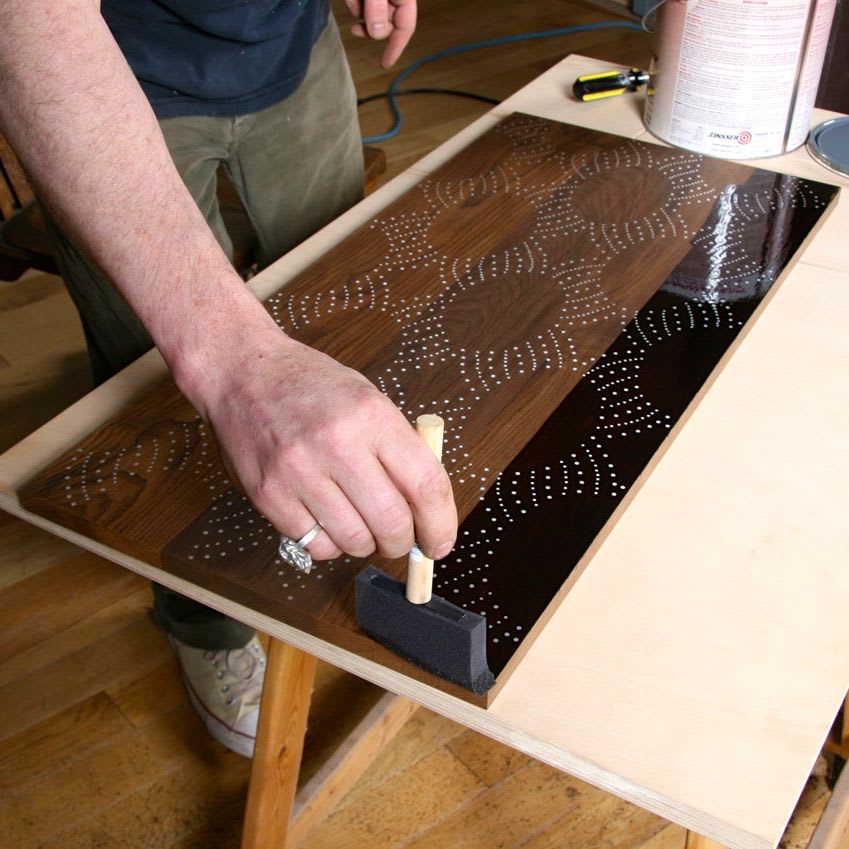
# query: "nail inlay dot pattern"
{"points": [[559, 296]]}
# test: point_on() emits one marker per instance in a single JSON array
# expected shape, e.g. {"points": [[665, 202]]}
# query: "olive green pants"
{"points": [[296, 166]]}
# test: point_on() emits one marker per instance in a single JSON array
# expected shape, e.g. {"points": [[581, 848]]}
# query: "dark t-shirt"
{"points": [[216, 57]]}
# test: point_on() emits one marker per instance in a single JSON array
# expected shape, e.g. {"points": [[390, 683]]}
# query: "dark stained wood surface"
{"points": [[486, 294]]}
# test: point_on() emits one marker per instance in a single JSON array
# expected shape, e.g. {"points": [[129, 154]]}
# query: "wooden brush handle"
{"points": [[419, 567]]}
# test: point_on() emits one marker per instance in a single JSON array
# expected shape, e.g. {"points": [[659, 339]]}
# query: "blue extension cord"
{"points": [[465, 48]]}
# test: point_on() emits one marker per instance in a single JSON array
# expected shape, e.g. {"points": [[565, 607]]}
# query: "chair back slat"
{"points": [[15, 190]]}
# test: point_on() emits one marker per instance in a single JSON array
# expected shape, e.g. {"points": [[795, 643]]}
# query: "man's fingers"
{"points": [[423, 481], [376, 17], [341, 519], [380, 498], [433, 502], [380, 504], [316, 498], [403, 23], [295, 494], [392, 19], [294, 520]]}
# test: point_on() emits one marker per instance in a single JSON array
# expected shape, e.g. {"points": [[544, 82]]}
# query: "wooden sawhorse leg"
{"points": [[285, 706], [275, 817]]}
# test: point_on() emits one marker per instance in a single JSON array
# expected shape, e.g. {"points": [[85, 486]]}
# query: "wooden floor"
{"points": [[100, 747]]}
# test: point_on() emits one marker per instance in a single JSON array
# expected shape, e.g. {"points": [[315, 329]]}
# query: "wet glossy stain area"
{"points": [[519, 546]]}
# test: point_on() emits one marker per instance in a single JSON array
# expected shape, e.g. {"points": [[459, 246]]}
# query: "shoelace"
{"points": [[237, 670]]}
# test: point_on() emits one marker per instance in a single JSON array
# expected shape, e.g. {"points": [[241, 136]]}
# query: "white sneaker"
{"points": [[225, 688]]}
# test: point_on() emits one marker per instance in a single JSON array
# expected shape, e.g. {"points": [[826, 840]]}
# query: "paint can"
{"points": [[737, 79]]}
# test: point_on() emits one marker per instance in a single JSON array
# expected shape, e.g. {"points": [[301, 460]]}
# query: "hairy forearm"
{"points": [[79, 121]]}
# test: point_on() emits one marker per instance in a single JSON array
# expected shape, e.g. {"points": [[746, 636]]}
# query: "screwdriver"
{"points": [[609, 83]]}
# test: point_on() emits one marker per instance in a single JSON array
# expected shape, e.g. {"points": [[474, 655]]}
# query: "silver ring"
{"points": [[309, 536], [295, 553]]}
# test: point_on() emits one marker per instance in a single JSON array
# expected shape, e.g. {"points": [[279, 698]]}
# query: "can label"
{"points": [[737, 78]]}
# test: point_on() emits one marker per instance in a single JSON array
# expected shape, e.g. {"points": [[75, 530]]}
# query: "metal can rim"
{"points": [[815, 146]]}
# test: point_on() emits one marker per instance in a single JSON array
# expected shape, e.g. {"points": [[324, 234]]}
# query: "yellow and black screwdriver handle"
{"points": [[609, 83]]}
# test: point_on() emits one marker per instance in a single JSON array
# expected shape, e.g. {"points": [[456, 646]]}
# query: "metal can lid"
{"points": [[828, 143]]}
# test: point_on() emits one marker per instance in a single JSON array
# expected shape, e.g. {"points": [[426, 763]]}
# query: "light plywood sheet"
{"points": [[706, 664]]}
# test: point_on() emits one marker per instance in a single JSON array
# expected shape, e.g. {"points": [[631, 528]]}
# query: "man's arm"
{"points": [[307, 439]]}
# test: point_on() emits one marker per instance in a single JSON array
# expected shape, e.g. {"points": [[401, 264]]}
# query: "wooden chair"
{"points": [[23, 234]]}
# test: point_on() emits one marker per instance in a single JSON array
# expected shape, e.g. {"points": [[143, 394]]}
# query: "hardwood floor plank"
{"points": [[506, 814], [26, 550], [42, 340], [34, 287], [488, 759], [67, 797], [112, 618], [422, 736], [51, 601], [669, 837], [160, 690], [117, 658], [339, 702], [607, 822], [219, 828], [205, 797], [393, 812], [59, 740]]}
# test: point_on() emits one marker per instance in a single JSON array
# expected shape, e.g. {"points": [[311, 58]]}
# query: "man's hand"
{"points": [[310, 440], [379, 19]]}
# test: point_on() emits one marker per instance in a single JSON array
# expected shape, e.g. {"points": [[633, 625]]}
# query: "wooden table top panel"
{"points": [[485, 293]]}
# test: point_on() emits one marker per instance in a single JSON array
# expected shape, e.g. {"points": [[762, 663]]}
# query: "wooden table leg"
{"points": [[289, 678], [696, 841]]}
